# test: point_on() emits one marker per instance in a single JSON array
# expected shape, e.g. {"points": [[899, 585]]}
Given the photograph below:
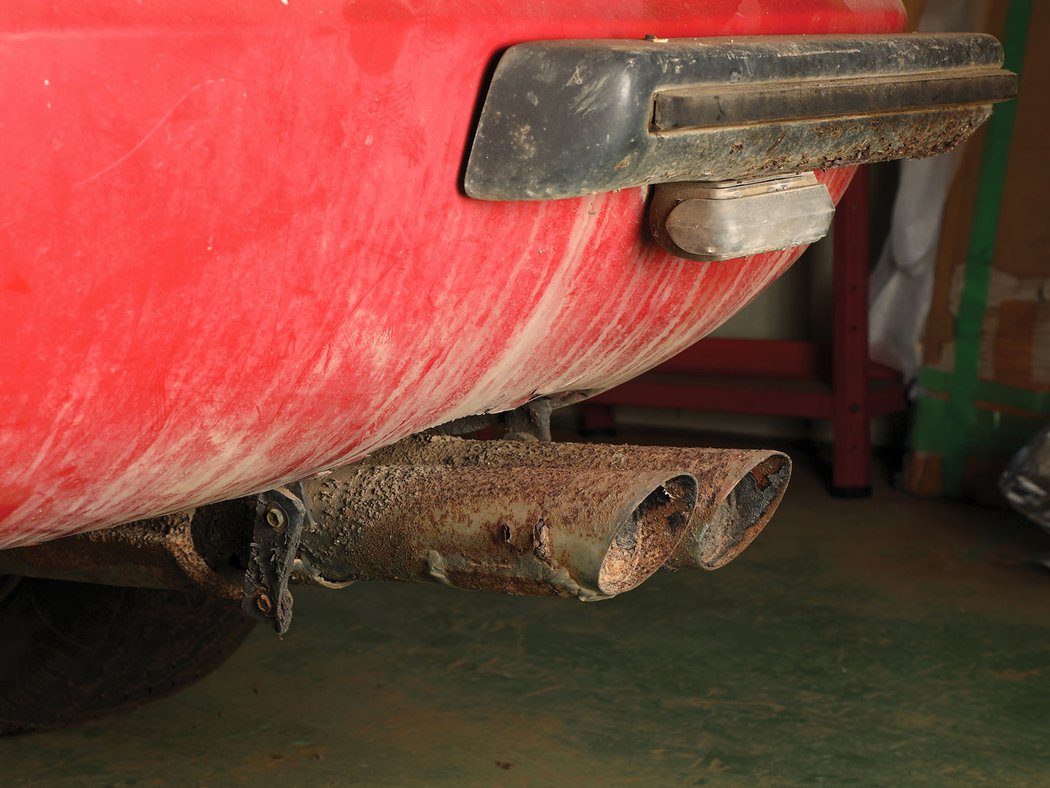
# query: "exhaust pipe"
{"points": [[738, 490], [572, 520], [586, 533], [752, 486]]}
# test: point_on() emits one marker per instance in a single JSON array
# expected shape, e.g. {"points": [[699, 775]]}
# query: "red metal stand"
{"points": [[789, 378], [851, 415]]}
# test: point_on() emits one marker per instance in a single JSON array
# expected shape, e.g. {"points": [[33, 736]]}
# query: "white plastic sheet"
{"points": [[902, 282]]}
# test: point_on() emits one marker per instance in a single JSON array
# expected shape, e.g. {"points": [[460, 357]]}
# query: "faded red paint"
{"points": [[234, 249]]}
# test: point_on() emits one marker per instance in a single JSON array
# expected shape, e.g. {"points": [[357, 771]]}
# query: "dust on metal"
{"points": [[576, 532], [569, 118], [728, 516], [744, 513], [281, 515], [734, 219], [523, 517], [160, 552]]}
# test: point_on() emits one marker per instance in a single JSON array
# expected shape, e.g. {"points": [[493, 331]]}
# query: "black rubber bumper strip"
{"points": [[569, 118]]}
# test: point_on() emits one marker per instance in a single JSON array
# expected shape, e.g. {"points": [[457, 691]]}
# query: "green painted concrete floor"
{"points": [[889, 641]]}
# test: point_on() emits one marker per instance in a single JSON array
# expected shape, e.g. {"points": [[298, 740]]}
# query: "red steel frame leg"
{"points": [[851, 414]]}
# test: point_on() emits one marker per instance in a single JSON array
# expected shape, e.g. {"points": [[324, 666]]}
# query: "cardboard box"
{"points": [[985, 388]]}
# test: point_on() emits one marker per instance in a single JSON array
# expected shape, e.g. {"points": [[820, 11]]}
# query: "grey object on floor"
{"points": [[1026, 481]]}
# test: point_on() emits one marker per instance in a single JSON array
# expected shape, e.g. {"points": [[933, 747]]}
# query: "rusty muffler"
{"points": [[575, 520], [589, 533], [738, 490]]}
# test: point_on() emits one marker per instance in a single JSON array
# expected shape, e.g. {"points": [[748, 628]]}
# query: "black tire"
{"points": [[72, 651]]}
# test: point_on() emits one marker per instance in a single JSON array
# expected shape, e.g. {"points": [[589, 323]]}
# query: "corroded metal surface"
{"points": [[523, 517], [582, 532], [738, 489], [160, 552], [280, 516], [740, 515]]}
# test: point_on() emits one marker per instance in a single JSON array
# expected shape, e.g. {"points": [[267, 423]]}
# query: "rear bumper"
{"points": [[569, 118]]}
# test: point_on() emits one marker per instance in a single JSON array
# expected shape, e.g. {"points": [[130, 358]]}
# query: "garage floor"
{"points": [[889, 641]]}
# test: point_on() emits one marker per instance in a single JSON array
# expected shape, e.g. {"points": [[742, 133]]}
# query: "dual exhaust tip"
{"points": [[552, 519], [573, 520]]}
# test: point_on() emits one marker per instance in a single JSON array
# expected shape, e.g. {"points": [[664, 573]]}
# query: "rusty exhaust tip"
{"points": [[585, 533], [648, 535], [738, 490], [739, 518]]}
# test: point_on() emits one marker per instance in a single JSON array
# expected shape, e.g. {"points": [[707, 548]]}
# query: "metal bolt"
{"points": [[275, 518]]}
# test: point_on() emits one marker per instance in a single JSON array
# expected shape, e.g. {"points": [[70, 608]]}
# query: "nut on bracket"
{"points": [[280, 516]]}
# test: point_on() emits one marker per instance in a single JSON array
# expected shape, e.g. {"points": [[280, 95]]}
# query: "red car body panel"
{"points": [[235, 249]]}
